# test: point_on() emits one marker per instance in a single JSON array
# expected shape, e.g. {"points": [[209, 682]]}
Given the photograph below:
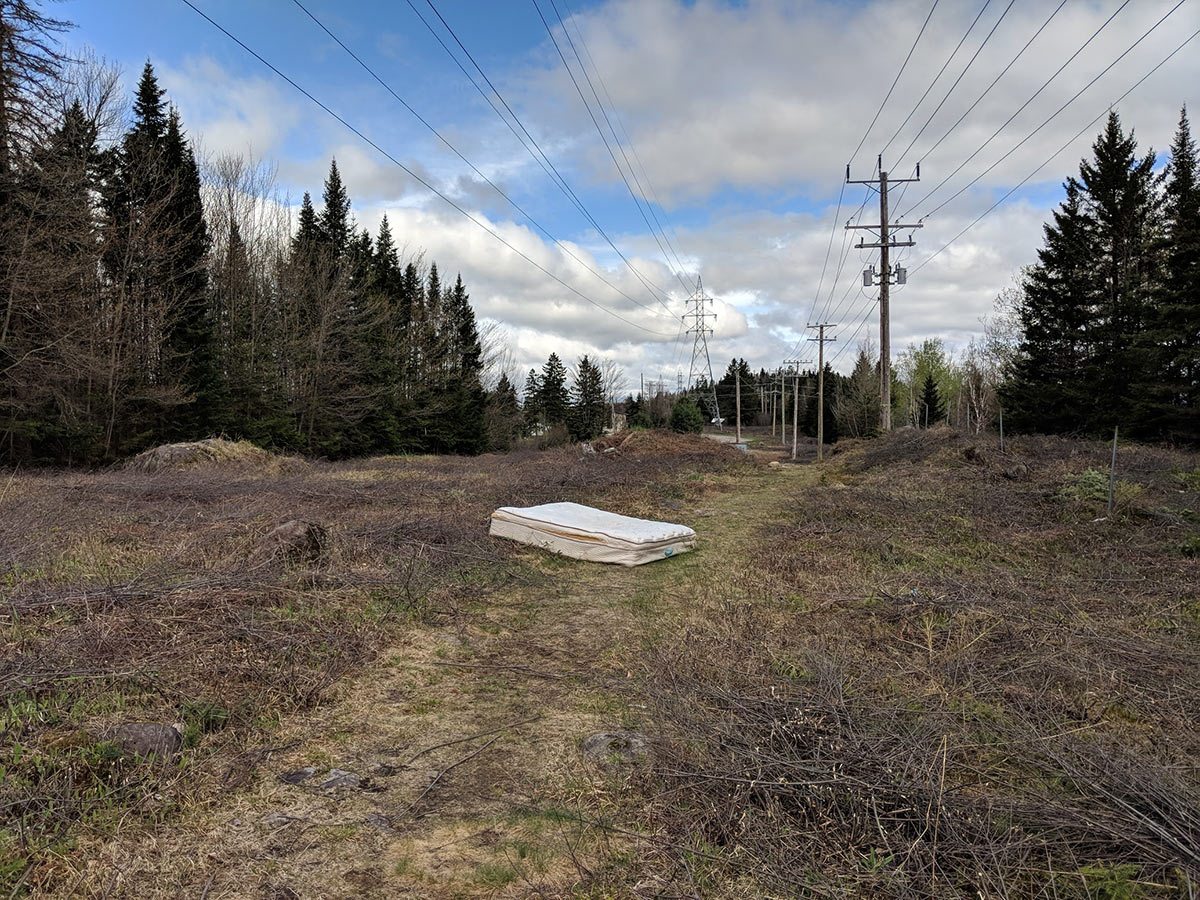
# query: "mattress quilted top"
{"points": [[577, 517]]}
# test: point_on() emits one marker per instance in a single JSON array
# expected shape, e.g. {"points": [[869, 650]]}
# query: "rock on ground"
{"points": [[628, 745], [296, 540], [147, 739]]}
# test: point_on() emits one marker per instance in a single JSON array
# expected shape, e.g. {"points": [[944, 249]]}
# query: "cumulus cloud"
{"points": [[230, 112], [731, 107], [779, 93]]}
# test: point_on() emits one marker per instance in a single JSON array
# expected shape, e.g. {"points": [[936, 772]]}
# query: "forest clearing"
{"points": [[920, 668]]}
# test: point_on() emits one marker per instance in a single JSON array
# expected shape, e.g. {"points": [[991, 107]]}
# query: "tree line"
{"points": [[144, 301], [1108, 319]]}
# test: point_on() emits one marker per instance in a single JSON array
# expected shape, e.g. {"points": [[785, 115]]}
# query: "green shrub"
{"points": [[686, 417], [1190, 481], [1091, 485]]}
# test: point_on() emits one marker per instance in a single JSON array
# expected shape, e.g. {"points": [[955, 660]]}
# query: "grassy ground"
{"points": [[920, 668], [134, 596]]}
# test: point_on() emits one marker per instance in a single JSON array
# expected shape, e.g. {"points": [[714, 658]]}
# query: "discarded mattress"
{"points": [[582, 532]]}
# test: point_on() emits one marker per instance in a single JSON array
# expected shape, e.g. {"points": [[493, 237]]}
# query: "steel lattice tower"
{"points": [[701, 367]]}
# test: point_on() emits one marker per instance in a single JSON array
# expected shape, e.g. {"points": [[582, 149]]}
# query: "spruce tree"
{"points": [[503, 417], [466, 398], [857, 408], [932, 408], [533, 402], [588, 414], [552, 396], [1124, 218], [308, 232], [727, 392], [386, 262], [334, 224], [1046, 390], [1179, 311], [191, 339], [1088, 358]]}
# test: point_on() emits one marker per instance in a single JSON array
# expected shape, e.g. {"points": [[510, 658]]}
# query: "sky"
{"points": [[733, 123]]}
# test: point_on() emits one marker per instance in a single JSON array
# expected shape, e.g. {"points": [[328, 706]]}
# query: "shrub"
{"points": [[1091, 485], [686, 417]]}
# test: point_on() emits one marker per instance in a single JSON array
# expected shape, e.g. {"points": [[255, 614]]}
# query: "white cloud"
{"points": [[229, 112], [727, 103]]}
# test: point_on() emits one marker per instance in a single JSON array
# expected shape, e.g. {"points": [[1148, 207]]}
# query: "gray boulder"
{"points": [[628, 746], [147, 739], [297, 540]]}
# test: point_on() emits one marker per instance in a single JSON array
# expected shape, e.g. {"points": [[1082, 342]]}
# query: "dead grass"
{"points": [[940, 676], [211, 452], [138, 595]]}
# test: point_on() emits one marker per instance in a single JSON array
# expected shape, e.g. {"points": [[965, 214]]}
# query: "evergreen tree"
{"points": [[686, 417], [588, 413], [308, 232], [1089, 356], [857, 407], [552, 395], [1125, 226], [466, 399], [1046, 390], [386, 270], [503, 417], [932, 407], [808, 404], [533, 402], [191, 338], [334, 225], [727, 393], [1178, 325]]}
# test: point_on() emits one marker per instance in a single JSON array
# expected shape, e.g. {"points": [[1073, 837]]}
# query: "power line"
{"points": [[413, 174], [988, 89], [599, 130], [987, 37], [941, 71], [1048, 159], [895, 81], [473, 167], [544, 161], [1052, 116], [1022, 107], [862, 322], [629, 142], [837, 213]]}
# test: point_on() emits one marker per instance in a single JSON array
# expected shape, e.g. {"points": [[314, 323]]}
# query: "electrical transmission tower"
{"points": [[701, 367], [887, 277]]}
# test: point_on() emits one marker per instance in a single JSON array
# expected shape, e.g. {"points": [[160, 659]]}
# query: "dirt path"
{"points": [[462, 744]]}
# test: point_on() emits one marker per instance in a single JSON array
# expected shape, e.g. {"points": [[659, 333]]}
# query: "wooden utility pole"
{"points": [[794, 365], [795, 413], [821, 339], [886, 276], [737, 386]]}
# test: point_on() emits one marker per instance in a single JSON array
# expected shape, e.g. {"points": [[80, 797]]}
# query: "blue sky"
{"points": [[742, 116]]}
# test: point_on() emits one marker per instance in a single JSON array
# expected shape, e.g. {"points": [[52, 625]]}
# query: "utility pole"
{"points": [[737, 386], [701, 367], [886, 276], [794, 365], [821, 339]]}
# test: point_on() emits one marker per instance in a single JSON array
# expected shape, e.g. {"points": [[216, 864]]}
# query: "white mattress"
{"points": [[583, 532]]}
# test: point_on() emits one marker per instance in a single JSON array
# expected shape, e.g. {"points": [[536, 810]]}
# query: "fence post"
{"points": [[1001, 429], [1112, 471]]}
